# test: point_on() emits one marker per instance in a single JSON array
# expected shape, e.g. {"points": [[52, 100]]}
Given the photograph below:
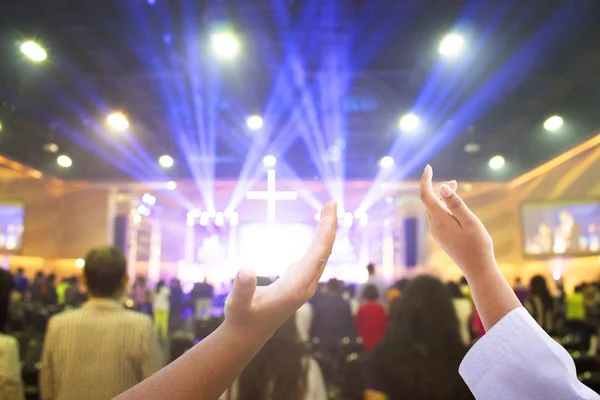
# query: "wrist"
{"points": [[481, 271], [246, 334]]}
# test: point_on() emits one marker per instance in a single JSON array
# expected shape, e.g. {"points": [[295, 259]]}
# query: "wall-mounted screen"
{"points": [[12, 217]]}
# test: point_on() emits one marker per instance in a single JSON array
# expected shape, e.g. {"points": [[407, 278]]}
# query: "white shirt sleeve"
{"points": [[316, 388], [517, 360]]}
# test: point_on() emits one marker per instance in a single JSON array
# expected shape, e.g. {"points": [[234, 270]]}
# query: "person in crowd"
{"points": [[50, 297], [395, 291], [515, 360], [540, 303], [374, 279], [521, 290], [139, 292], [477, 326], [176, 305], [350, 296], [11, 385], [101, 349], [332, 322], [304, 317], [160, 307], [371, 320], [464, 311], [282, 369], [420, 355], [202, 300], [21, 282], [61, 290], [73, 297], [39, 288]]}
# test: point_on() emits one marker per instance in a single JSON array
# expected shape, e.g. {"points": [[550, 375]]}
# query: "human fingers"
{"points": [[243, 290], [436, 188], [434, 206], [456, 205], [311, 266]]}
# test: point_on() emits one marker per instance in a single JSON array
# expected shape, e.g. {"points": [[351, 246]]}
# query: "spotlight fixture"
{"points": [[117, 121], [553, 123], [451, 45], [171, 185], [472, 148], [334, 153], [254, 122], [80, 263], [64, 161], [225, 44], [33, 51], [51, 148], [166, 161], [497, 162], [409, 122], [386, 162], [149, 199], [269, 161]]}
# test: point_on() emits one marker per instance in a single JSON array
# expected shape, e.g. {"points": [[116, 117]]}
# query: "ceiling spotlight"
{"points": [[33, 51], [254, 122], [386, 162], [451, 45], [553, 123], [472, 148], [334, 153], [117, 121], [149, 199], [171, 185], [64, 161], [166, 161], [80, 263], [225, 44], [51, 148], [409, 122], [269, 161], [497, 162]]}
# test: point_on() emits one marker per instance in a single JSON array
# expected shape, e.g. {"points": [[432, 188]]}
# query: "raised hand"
{"points": [[454, 227], [251, 307]]}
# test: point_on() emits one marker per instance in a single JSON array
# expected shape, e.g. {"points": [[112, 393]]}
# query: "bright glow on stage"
{"points": [[269, 250], [269, 161], [386, 162], [271, 196]]}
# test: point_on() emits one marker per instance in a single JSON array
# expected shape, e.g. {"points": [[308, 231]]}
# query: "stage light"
{"points": [[143, 210], [80, 263], [149, 199], [497, 162], [348, 219], [472, 148], [389, 200], [386, 162], [409, 122], [194, 214], [254, 122], [190, 222], [219, 218], [553, 123], [225, 44], [51, 148], [33, 51], [318, 216], [269, 161], [137, 219], [204, 218], [171, 185], [334, 153], [234, 218], [64, 161], [451, 45], [117, 121], [166, 161]]}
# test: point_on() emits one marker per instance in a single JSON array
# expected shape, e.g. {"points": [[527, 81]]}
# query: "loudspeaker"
{"points": [[120, 233], [410, 230]]}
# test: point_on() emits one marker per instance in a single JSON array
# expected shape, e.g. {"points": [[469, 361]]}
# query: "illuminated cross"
{"points": [[271, 196]]}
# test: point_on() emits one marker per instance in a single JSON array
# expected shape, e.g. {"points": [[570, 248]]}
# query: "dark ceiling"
{"points": [[322, 72]]}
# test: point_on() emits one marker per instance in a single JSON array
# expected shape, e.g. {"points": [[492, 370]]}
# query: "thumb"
{"points": [[455, 204], [243, 290]]}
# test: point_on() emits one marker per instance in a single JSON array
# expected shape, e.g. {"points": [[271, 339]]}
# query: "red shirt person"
{"points": [[371, 320]]}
